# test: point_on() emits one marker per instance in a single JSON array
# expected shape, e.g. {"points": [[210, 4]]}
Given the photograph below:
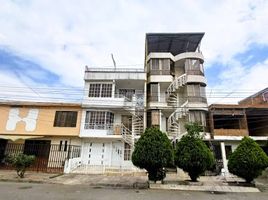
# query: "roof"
{"points": [[174, 43], [226, 106], [237, 106], [32, 103], [254, 95]]}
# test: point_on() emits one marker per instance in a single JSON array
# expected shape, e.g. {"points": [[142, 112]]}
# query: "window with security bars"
{"points": [[99, 120], [100, 90], [127, 152], [65, 119]]}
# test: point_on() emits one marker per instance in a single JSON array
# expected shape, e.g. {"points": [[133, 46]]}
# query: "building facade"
{"points": [[112, 116], [175, 82], [50, 131], [118, 104], [230, 123]]}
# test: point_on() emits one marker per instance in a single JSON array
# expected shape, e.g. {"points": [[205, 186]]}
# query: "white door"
{"points": [[94, 153]]}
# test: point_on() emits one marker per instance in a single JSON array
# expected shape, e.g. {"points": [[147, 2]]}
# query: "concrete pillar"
{"points": [[113, 89], [160, 120], [224, 160]]}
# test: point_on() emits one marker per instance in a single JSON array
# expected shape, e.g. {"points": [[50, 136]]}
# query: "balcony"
{"points": [[197, 99], [230, 132], [101, 130], [116, 101], [114, 74]]}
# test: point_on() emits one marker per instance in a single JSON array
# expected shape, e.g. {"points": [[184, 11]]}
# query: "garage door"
{"points": [[95, 153]]}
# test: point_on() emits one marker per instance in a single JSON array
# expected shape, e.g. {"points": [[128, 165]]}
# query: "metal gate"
{"points": [[48, 157]]}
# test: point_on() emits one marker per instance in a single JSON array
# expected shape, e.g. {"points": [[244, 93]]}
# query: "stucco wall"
{"points": [[41, 123]]}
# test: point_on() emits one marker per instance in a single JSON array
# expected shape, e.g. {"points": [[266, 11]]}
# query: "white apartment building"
{"points": [[112, 115], [119, 103]]}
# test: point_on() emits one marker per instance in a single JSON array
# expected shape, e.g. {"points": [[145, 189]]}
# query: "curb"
{"points": [[216, 189]]}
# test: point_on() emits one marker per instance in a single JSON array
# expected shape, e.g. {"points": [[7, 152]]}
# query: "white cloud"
{"points": [[64, 36]]}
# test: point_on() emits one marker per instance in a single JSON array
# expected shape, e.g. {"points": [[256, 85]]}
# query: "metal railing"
{"points": [[48, 157], [194, 72], [197, 99], [99, 126], [159, 72], [112, 69]]}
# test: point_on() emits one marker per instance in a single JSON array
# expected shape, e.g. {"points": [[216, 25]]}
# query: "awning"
{"points": [[19, 137]]}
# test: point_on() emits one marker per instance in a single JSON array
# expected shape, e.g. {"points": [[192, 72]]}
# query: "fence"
{"points": [[48, 157]]}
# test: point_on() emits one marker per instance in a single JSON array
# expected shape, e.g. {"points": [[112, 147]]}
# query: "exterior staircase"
{"points": [[173, 87], [173, 120], [127, 135]]}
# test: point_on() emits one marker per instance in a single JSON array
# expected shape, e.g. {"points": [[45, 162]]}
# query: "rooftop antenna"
{"points": [[113, 61]]}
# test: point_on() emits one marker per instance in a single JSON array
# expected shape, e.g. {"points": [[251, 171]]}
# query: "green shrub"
{"points": [[153, 151], [20, 162], [192, 154], [248, 160]]}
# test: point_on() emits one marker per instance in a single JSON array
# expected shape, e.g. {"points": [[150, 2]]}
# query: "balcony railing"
{"points": [[159, 72], [195, 72], [112, 69], [98, 126], [197, 99]]}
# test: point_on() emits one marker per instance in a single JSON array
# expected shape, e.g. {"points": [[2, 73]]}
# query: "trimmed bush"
{"points": [[153, 151], [248, 160], [192, 154], [20, 162]]}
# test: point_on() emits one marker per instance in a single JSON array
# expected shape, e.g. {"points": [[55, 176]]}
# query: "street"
{"points": [[29, 191]]}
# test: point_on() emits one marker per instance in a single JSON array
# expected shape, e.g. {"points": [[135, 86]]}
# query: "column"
{"points": [[224, 160]]}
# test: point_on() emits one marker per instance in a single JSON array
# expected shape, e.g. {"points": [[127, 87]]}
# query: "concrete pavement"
{"points": [[26, 191], [172, 181]]}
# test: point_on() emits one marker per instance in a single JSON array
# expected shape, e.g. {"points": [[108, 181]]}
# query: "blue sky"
{"points": [[46, 44]]}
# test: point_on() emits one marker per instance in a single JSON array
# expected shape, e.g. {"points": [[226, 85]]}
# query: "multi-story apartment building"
{"points": [[112, 116], [230, 123], [47, 130], [175, 81], [119, 103]]}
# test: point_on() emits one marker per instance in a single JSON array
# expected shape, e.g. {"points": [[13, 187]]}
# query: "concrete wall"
{"points": [[36, 120]]}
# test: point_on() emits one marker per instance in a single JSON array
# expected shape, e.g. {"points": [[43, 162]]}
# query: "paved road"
{"points": [[30, 191]]}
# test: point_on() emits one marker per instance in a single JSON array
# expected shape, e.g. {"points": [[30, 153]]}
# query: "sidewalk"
{"points": [[205, 183], [96, 181], [171, 182]]}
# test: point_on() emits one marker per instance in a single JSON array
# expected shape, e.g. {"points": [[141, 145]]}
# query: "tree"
{"points": [[20, 162], [153, 151], [192, 154], [248, 160]]}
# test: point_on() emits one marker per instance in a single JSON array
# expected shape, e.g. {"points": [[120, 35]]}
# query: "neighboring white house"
{"points": [[112, 115]]}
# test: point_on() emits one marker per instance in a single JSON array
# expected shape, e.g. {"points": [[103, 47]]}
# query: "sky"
{"points": [[45, 45]]}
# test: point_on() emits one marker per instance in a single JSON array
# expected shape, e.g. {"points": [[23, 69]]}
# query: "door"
{"points": [[94, 153], [127, 121], [3, 144], [40, 149]]}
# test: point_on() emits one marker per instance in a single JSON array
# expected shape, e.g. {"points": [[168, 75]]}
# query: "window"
{"points": [[193, 90], [61, 147], [65, 119], [127, 93], [100, 90], [160, 66], [198, 116], [153, 92], [127, 152], [106, 90], [99, 120]]}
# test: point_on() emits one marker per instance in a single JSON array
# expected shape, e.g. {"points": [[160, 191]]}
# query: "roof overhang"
{"points": [[174, 43], [19, 137]]}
